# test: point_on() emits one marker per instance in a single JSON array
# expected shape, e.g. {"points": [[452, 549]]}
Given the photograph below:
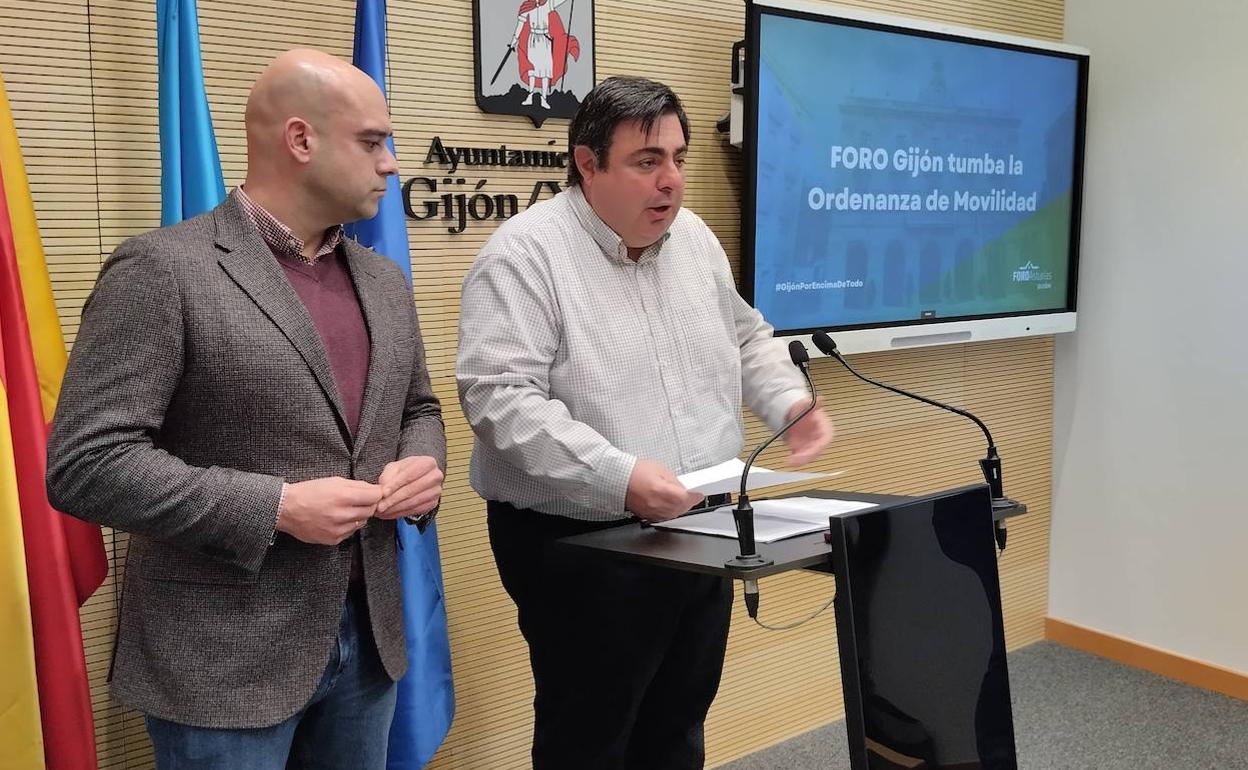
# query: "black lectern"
{"points": [[918, 615]]}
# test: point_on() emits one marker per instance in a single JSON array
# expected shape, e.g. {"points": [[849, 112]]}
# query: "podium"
{"points": [[920, 637]]}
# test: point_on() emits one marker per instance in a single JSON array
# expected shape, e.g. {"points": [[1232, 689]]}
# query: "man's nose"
{"points": [[389, 164], [671, 175]]}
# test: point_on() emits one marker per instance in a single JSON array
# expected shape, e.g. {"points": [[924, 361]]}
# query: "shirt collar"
{"points": [[280, 238], [612, 245]]}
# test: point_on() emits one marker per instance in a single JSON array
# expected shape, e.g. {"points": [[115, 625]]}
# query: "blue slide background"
{"points": [[823, 84]]}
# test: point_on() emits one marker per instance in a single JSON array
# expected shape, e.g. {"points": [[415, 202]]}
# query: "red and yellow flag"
{"points": [[64, 557], [20, 735]]}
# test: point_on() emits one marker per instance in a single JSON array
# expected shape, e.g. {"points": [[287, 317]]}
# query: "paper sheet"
{"points": [[773, 519], [726, 477]]}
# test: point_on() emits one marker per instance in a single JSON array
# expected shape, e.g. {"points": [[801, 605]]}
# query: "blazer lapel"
{"points": [[381, 334], [250, 263]]}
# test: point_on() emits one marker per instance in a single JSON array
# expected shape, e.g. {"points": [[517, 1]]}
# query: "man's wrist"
{"points": [[421, 521]]}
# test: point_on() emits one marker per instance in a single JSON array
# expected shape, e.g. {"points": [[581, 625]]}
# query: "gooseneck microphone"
{"points": [[743, 514], [990, 464]]}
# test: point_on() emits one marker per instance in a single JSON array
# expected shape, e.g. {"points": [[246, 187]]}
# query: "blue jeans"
{"points": [[346, 724]]}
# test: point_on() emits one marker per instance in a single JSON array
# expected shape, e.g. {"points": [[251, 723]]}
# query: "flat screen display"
{"points": [[918, 612], [901, 176]]}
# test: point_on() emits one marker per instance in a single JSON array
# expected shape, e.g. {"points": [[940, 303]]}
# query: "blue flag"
{"points": [[385, 233], [426, 699], [190, 169]]}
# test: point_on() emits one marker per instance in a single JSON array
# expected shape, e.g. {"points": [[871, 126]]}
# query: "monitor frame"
{"points": [[893, 335]]}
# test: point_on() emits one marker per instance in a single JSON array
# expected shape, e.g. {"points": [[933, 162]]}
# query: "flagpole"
{"points": [[567, 35]]}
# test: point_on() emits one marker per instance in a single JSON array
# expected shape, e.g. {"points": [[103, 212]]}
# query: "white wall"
{"points": [[1150, 521]]}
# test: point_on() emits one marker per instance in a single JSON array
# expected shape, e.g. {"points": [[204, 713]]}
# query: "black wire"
{"points": [[803, 621]]}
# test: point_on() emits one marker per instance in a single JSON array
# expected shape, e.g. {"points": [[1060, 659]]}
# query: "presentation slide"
{"points": [[903, 177]]}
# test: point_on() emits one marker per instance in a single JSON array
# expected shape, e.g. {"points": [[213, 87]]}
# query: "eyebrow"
{"points": [[681, 150], [374, 133]]}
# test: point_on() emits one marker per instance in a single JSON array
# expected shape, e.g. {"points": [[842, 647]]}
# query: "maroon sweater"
{"points": [[329, 296]]}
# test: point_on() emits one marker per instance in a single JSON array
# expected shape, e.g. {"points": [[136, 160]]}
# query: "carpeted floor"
{"points": [[1074, 711]]}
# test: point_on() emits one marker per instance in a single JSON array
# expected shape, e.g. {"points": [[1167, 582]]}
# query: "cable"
{"points": [[803, 621]]}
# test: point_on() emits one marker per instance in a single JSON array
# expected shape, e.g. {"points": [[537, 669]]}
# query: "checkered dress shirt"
{"points": [[281, 239], [574, 360]]}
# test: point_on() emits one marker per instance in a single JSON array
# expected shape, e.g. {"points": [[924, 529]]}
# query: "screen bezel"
{"points": [[883, 335]]}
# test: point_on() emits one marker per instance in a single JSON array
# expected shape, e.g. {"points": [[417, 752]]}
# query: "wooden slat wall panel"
{"points": [[82, 80]]}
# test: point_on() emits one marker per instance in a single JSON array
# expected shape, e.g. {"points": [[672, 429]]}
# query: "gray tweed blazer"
{"points": [[197, 385]]}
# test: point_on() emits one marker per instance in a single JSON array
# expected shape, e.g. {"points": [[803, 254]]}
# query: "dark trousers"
{"points": [[626, 657]]}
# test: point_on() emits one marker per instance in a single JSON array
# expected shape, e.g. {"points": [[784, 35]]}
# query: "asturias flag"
{"points": [[190, 168]]}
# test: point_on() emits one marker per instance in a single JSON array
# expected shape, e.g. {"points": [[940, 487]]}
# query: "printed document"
{"points": [[726, 477], [774, 520]]}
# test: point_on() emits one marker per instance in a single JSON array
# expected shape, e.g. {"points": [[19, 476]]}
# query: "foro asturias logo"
{"points": [[1031, 272]]}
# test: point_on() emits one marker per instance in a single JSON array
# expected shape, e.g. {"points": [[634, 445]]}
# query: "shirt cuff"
{"points": [[780, 406], [277, 517], [613, 487]]}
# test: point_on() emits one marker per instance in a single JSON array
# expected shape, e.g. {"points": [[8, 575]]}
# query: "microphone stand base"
{"points": [[753, 561], [1004, 503], [998, 529]]}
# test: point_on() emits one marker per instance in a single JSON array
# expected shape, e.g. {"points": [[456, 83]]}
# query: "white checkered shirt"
{"points": [[574, 360]]}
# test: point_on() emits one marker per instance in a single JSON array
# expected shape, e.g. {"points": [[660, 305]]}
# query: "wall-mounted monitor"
{"points": [[908, 183]]}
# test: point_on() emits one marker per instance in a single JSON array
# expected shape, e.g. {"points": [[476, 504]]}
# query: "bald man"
{"points": [[248, 398]]}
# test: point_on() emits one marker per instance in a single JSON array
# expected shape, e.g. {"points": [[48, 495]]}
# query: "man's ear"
{"points": [[298, 138], [586, 162]]}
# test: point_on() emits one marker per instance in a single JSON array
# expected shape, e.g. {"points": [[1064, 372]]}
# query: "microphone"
{"points": [[990, 464], [743, 514]]}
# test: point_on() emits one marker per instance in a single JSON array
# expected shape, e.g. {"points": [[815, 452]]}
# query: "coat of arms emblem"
{"points": [[533, 57]]}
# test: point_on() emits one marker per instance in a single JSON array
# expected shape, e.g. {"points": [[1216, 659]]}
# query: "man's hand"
{"points": [[811, 435], [327, 511], [409, 487], [654, 493]]}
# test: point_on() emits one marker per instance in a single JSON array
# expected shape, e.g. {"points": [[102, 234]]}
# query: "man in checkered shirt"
{"points": [[603, 350]]}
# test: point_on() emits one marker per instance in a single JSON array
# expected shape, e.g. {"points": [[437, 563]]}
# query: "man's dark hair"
{"points": [[612, 102]]}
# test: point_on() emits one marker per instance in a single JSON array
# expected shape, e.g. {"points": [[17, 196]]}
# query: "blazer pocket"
{"points": [[177, 566]]}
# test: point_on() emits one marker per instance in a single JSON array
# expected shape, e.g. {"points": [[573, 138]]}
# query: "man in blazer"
{"points": [[248, 398]]}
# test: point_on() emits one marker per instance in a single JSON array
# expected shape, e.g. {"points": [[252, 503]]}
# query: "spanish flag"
{"points": [[64, 558]]}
